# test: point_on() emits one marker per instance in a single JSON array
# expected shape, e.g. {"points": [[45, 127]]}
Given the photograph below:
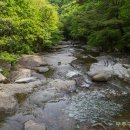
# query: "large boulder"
{"points": [[31, 125], [99, 70], [7, 103], [23, 75], [101, 77], [2, 78], [32, 61]]}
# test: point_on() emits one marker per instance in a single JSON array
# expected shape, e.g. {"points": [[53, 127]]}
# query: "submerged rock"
{"points": [[41, 97], [31, 125]]}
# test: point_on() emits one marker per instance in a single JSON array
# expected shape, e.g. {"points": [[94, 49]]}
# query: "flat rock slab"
{"points": [[31, 125], [7, 103], [12, 89], [31, 61], [57, 59], [26, 80], [20, 74]]}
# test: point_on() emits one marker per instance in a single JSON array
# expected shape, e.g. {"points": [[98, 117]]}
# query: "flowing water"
{"points": [[94, 106]]}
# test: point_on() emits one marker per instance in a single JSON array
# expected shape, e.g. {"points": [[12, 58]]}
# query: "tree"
{"points": [[28, 25]]}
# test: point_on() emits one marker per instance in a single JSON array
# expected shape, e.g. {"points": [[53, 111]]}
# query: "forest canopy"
{"points": [[28, 26], [100, 23]]}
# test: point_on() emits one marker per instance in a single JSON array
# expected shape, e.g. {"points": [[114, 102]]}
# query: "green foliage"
{"points": [[101, 23], [27, 25], [8, 57]]}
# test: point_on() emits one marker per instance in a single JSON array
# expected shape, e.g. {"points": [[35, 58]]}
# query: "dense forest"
{"points": [[28, 26]]}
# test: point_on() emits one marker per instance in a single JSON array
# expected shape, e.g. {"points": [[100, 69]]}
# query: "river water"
{"points": [[91, 106]]}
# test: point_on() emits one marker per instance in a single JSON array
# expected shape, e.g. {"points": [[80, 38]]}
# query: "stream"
{"points": [[85, 106]]}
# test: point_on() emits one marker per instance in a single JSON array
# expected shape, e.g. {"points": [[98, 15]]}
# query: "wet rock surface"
{"points": [[61, 85], [56, 91], [2, 78], [31, 125]]}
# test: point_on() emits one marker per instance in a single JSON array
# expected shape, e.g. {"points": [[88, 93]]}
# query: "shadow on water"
{"points": [[49, 73]]}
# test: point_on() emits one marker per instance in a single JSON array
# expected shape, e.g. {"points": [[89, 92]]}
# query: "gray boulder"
{"points": [[61, 85], [32, 61], [31, 125], [103, 71]]}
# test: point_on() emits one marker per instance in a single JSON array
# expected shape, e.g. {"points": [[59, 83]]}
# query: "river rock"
{"points": [[2, 78], [99, 68], [101, 77], [31, 125], [111, 70], [7, 103], [26, 80], [63, 85], [21, 73], [32, 61], [72, 74], [12, 89], [42, 69]]}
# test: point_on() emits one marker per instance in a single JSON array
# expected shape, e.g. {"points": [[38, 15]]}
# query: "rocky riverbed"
{"points": [[68, 88]]}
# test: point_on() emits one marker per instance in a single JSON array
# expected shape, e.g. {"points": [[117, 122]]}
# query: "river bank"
{"points": [[59, 90]]}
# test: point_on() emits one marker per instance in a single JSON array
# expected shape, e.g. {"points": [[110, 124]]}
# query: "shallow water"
{"points": [[105, 103]]}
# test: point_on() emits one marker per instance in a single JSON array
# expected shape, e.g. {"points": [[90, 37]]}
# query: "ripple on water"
{"points": [[92, 107]]}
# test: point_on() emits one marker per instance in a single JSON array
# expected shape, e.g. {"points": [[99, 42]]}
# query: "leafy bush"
{"points": [[27, 25]]}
